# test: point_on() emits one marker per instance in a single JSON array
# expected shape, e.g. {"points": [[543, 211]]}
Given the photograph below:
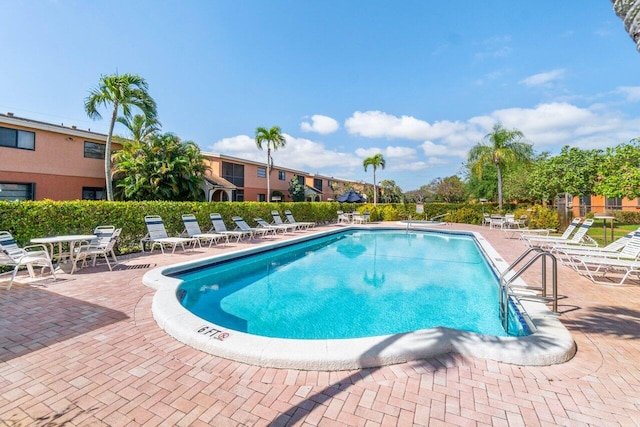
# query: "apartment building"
{"points": [[47, 161], [234, 179], [41, 160]]}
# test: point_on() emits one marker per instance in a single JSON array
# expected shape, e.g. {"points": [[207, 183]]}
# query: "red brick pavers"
{"points": [[85, 350]]}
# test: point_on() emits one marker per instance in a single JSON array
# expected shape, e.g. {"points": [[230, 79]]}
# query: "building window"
{"points": [[262, 198], [237, 195], [317, 184], [12, 192], [17, 138], [262, 172], [282, 175], [300, 180], [614, 204], [234, 173], [93, 193], [93, 150]]}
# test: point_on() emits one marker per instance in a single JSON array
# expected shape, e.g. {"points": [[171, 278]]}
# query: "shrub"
{"points": [[542, 217], [464, 215]]}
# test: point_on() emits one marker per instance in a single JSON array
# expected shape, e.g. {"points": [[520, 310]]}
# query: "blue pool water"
{"points": [[350, 285]]}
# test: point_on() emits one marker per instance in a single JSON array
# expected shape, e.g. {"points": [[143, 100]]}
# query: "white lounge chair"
{"points": [[565, 235], [221, 228], [158, 235], [596, 268], [254, 231], [103, 245], [612, 248], [301, 224], [277, 220], [630, 250], [578, 238], [192, 229], [29, 256], [271, 227]]}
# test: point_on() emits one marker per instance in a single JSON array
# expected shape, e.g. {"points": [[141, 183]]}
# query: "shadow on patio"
{"points": [[31, 317]]}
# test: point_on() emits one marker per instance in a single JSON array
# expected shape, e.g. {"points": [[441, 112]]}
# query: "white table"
{"points": [[58, 241]]}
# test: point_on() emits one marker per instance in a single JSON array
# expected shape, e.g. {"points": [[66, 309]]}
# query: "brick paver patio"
{"points": [[85, 350]]}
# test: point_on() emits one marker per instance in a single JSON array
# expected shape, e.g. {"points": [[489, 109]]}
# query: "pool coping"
{"points": [[550, 343]]}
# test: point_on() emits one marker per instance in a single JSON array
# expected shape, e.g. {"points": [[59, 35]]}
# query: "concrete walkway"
{"points": [[84, 350]]}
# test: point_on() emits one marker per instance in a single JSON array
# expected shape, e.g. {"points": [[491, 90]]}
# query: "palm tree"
{"points": [[120, 92], [161, 168], [273, 139], [140, 126], [502, 147], [627, 10], [375, 161]]}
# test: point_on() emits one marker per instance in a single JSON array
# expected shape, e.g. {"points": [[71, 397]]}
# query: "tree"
{"points": [[163, 168], [502, 147], [120, 92], [296, 189], [421, 195], [629, 12], [376, 161], [573, 171], [450, 189], [273, 139], [140, 126], [619, 171], [391, 192]]}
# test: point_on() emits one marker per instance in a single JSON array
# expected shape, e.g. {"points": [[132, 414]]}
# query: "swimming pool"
{"points": [[353, 284], [549, 342]]}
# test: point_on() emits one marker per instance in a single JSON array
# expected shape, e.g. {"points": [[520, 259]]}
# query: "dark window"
{"points": [[282, 176], [93, 150], [301, 180], [17, 138], [12, 192], [262, 198], [613, 203], [233, 173], [238, 195], [262, 172], [317, 183], [92, 193]]}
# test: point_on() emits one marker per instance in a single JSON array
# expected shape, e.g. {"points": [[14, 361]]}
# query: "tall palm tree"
{"points": [[121, 92], [140, 126], [376, 161], [502, 147], [273, 139]]}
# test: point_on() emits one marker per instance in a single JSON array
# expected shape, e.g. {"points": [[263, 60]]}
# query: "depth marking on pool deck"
{"points": [[213, 333]]}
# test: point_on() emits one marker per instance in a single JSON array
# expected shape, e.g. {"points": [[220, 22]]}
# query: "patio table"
{"points": [[58, 241]]}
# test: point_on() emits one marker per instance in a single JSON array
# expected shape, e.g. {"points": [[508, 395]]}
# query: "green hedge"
{"points": [[29, 219]]}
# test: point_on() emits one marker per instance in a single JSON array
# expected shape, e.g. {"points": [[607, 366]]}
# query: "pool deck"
{"points": [[85, 350]]}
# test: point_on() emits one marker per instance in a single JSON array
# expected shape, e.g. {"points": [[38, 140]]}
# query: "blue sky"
{"points": [[418, 81]]}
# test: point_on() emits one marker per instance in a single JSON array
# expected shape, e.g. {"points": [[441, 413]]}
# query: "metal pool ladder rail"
{"points": [[508, 288]]}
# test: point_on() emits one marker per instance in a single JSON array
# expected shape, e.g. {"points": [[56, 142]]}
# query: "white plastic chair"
{"points": [[103, 245], [29, 256]]}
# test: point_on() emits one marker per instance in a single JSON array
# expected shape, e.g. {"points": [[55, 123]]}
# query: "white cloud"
{"points": [[320, 124], [298, 153], [543, 79], [632, 93], [377, 124]]}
